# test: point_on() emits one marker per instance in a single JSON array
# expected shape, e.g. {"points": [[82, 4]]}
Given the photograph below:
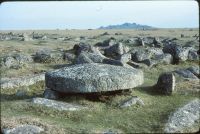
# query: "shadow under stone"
{"points": [[61, 66], [98, 97], [151, 90]]}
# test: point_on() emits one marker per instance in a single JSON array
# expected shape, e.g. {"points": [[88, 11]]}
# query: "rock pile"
{"points": [[15, 61]]}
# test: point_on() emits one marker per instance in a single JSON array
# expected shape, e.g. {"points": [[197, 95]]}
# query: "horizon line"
{"points": [[98, 28]]}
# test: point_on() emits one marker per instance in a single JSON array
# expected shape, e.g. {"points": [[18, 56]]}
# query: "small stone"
{"points": [[132, 101], [9, 61], [193, 55], [24, 129], [51, 94], [61, 106], [184, 73], [83, 58], [164, 58], [166, 84], [124, 58], [78, 48], [194, 70]]}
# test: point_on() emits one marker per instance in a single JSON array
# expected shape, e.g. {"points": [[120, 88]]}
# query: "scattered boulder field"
{"points": [[108, 65]]}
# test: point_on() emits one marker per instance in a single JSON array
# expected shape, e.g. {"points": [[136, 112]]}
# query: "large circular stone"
{"points": [[87, 78]]}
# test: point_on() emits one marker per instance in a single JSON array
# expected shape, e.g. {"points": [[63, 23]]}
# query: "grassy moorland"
{"points": [[103, 113]]}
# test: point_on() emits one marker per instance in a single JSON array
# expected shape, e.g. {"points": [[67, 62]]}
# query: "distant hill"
{"points": [[126, 26]]}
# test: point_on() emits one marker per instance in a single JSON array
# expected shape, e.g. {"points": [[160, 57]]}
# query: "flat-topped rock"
{"points": [[94, 77]]}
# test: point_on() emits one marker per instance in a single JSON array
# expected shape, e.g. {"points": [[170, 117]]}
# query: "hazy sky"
{"points": [[93, 14]]}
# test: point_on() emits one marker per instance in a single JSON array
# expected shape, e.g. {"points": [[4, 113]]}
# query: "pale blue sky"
{"points": [[93, 14]]}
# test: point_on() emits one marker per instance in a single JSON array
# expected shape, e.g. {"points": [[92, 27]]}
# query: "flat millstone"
{"points": [[94, 77], [61, 106]]}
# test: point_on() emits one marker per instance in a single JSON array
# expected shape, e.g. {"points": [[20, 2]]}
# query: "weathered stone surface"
{"points": [[8, 62], [184, 119], [140, 55], [97, 57], [112, 62], [94, 77], [69, 57], [149, 62], [78, 48], [47, 56], [15, 61], [137, 65], [83, 58], [178, 52], [24, 129], [157, 42], [22, 81], [116, 50], [23, 58], [51, 94], [61, 106], [132, 101], [181, 53], [141, 42], [164, 58], [165, 84], [193, 55], [124, 58], [155, 51], [148, 40], [194, 70], [109, 42], [88, 57], [27, 37], [185, 74]]}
